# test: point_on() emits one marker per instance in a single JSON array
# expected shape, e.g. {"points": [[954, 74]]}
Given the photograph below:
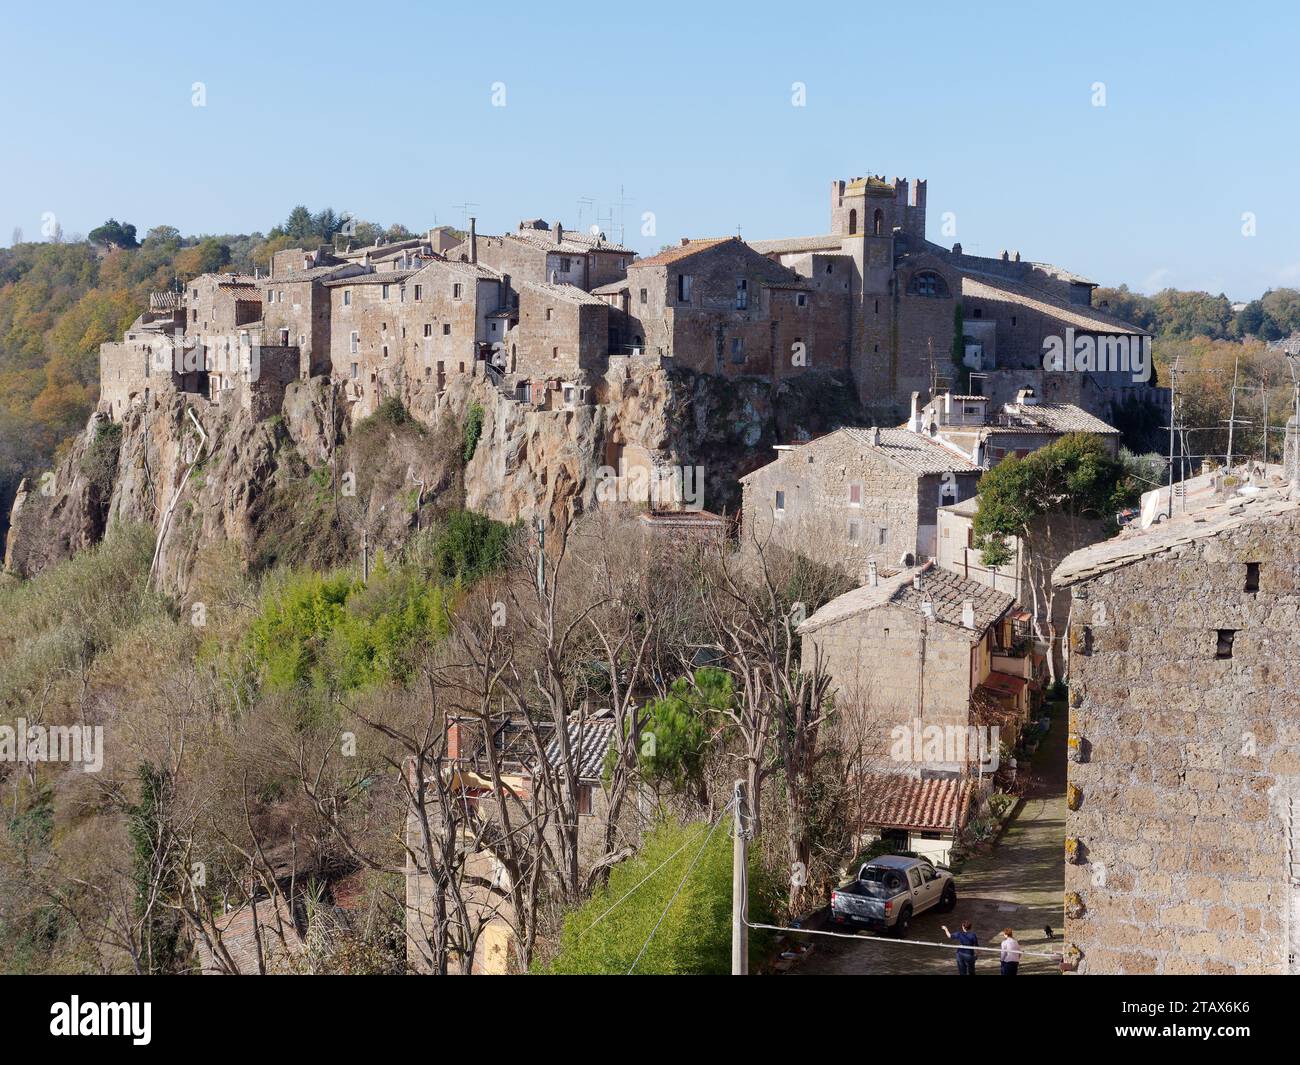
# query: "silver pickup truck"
{"points": [[889, 891]]}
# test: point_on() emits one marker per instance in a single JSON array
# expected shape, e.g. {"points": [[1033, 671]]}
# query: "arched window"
{"points": [[928, 283], [853, 222], [878, 222]]}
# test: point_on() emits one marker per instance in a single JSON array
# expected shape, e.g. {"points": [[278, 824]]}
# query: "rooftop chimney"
{"points": [[927, 608], [914, 419], [916, 582], [473, 242], [559, 233], [875, 435], [873, 578], [968, 614]]}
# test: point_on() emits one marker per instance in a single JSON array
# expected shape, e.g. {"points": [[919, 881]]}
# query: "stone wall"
{"points": [[896, 514], [1185, 791]]}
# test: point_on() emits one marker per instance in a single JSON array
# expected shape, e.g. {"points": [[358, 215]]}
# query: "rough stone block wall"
{"points": [[1188, 761]]}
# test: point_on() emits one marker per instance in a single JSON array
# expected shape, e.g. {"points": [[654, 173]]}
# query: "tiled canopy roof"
{"points": [[1170, 534], [893, 801], [913, 451], [1002, 290], [682, 251], [1060, 418], [590, 740], [946, 592]]}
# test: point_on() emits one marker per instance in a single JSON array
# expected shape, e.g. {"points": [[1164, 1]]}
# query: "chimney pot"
{"points": [[873, 578], [473, 241], [968, 614]]}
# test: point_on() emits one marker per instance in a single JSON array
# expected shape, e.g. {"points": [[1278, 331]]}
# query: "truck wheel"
{"points": [[900, 926], [948, 901]]}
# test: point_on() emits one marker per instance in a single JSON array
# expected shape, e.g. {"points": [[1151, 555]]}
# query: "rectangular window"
{"points": [[446, 329], [354, 340], [383, 291], [737, 349], [428, 329], [855, 532], [643, 295], [1224, 648], [801, 300], [456, 290], [855, 495], [385, 351], [354, 371], [565, 265], [780, 502], [1252, 576], [683, 288], [884, 536], [347, 297], [742, 294], [419, 293], [548, 314]]}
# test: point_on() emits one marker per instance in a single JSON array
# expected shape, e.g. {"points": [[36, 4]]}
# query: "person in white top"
{"points": [[1009, 953]]}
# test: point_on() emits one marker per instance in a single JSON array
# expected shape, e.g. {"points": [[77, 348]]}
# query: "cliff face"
{"points": [[308, 487]]}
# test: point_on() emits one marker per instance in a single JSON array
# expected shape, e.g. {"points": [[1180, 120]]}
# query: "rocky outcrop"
{"points": [[309, 488]]}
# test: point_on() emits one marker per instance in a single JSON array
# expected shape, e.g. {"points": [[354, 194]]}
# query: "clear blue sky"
{"points": [[385, 110]]}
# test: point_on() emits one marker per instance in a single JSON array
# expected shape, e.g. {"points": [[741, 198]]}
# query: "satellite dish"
{"points": [[594, 231]]}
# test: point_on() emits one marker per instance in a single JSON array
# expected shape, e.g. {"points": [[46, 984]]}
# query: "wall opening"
{"points": [[1224, 648], [1252, 576]]}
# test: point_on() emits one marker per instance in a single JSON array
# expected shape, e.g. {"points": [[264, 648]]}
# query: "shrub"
{"points": [[473, 429], [694, 938]]}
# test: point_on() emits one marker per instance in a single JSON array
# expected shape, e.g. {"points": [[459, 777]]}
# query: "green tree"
{"points": [[676, 729], [1052, 501], [114, 234]]}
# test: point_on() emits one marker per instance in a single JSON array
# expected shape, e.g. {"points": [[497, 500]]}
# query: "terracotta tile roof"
{"points": [[1003, 290], [1133, 545], [789, 245], [591, 741], [944, 591], [936, 805], [913, 451], [565, 292], [385, 277], [682, 251], [1058, 418]]}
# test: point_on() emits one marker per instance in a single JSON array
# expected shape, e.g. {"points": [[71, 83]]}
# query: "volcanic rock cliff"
{"points": [[309, 486]]}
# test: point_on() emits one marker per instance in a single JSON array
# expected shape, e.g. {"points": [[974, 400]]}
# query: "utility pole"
{"points": [[540, 526], [1173, 406], [739, 899], [1232, 411]]}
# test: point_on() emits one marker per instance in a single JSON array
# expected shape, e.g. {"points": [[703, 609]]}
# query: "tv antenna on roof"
{"points": [[465, 209]]}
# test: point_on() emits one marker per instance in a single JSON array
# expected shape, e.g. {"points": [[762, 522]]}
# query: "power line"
{"points": [[689, 869], [896, 942], [648, 875]]}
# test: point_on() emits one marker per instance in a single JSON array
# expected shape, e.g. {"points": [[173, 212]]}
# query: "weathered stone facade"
{"points": [[856, 496], [719, 307], [1184, 782], [917, 646]]}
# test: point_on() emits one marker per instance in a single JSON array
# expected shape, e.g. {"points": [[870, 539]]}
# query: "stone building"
{"points": [[560, 332], [901, 300], [989, 432], [1184, 779], [444, 321], [366, 343], [856, 496], [221, 304], [545, 254], [589, 739], [296, 304], [922, 646], [719, 307]]}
